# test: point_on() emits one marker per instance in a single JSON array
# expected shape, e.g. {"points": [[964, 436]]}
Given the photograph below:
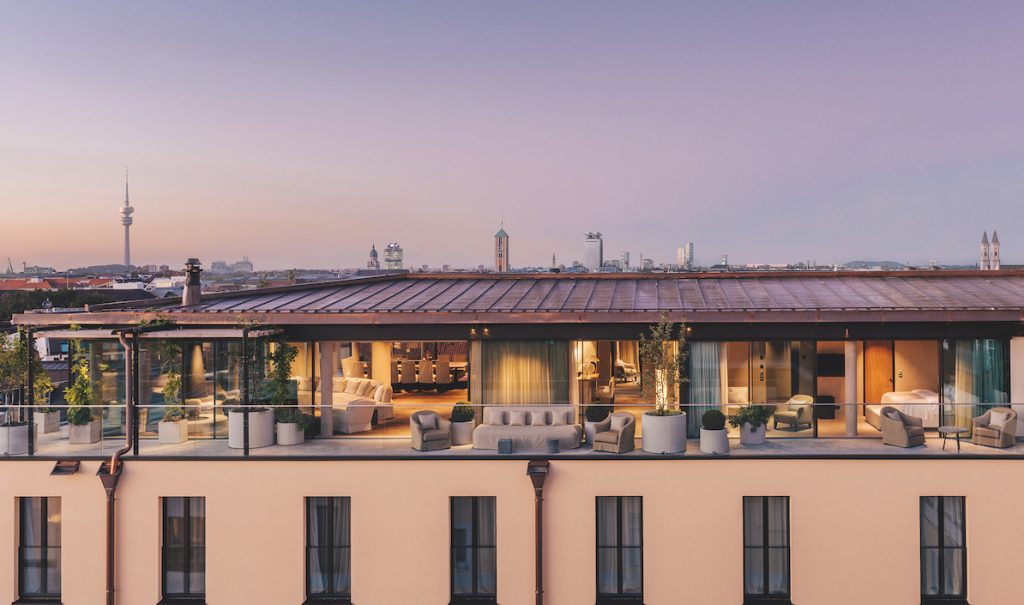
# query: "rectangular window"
{"points": [[943, 550], [473, 556], [184, 550], [39, 548], [620, 550], [765, 549], [328, 550]]}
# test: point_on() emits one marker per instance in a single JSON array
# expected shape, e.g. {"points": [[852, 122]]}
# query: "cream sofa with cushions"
{"points": [[352, 391], [529, 427]]}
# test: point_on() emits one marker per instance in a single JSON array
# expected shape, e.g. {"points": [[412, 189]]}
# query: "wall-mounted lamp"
{"points": [[487, 331], [472, 331]]}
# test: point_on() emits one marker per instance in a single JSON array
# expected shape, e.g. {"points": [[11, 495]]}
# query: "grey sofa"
{"points": [[529, 427], [615, 434], [429, 431], [899, 429]]}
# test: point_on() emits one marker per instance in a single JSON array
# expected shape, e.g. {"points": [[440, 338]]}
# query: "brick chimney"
{"points": [[191, 295]]}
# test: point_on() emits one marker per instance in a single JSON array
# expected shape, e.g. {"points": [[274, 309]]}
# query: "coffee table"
{"points": [[955, 431]]}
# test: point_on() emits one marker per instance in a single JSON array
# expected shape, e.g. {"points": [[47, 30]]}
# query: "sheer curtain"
{"points": [[525, 372], [705, 383], [979, 378]]}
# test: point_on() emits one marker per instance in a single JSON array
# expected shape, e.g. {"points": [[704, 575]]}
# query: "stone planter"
{"points": [[261, 428], [714, 442], [755, 437], [664, 434], [14, 440], [289, 433], [462, 432], [48, 422], [173, 431], [85, 433]]}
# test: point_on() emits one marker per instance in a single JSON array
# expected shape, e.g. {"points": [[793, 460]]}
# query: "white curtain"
{"points": [[525, 372], [705, 383]]}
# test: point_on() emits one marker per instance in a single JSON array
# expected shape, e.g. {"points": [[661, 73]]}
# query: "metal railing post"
{"points": [[31, 392], [245, 391]]}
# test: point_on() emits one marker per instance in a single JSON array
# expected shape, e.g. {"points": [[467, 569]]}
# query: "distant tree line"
{"points": [[19, 301]]}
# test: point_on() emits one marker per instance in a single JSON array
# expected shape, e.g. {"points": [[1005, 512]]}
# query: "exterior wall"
{"points": [[854, 526]]}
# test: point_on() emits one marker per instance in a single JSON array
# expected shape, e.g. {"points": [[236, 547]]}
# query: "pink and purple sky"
{"points": [[300, 133]]}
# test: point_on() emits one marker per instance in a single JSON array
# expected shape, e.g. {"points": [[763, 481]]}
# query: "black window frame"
{"points": [[475, 547], [766, 598], [618, 598], [186, 598], [46, 595], [334, 595], [941, 548]]}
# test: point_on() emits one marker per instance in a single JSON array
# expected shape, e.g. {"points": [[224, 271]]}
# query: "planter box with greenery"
{"points": [[84, 428], [174, 427], [663, 356], [593, 415], [48, 420], [13, 438], [714, 439], [463, 423], [751, 419], [278, 387], [291, 426]]}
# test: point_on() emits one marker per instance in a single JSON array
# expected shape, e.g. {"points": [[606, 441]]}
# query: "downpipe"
{"points": [[113, 474]]}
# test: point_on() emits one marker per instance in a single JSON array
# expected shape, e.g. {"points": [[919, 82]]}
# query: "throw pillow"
{"points": [[428, 422], [559, 418], [998, 420], [338, 384], [517, 418], [363, 389], [538, 418], [351, 386], [618, 423], [303, 382]]}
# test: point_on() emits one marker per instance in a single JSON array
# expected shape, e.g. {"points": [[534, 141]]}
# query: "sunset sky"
{"points": [[298, 133]]}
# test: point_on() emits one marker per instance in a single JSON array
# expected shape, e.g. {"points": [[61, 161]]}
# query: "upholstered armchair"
{"points": [[615, 434], [429, 431], [356, 417], [995, 428], [799, 411], [900, 429]]}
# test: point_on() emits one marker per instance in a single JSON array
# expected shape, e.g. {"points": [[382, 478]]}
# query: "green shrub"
{"points": [[79, 415], [463, 412], [713, 420], [174, 414], [753, 414], [597, 413], [290, 415]]}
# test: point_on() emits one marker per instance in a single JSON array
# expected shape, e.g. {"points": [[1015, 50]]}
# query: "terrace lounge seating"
{"points": [[348, 391], [625, 372], [995, 428], [899, 429], [799, 411], [355, 417], [615, 434], [529, 427], [429, 431]]}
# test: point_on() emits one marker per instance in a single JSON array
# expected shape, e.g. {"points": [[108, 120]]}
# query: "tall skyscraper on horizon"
{"points": [[593, 251], [126, 220], [501, 250], [394, 258], [688, 255], [625, 261]]}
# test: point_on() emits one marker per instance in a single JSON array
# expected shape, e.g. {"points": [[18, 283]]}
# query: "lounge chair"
{"points": [[429, 431], [799, 411], [995, 428], [899, 429], [615, 434]]}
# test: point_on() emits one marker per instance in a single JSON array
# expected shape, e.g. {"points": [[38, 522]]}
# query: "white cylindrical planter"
{"points": [[85, 433], [173, 431], [664, 434], [462, 432], [289, 433], [48, 422], [714, 442], [755, 437], [261, 429], [14, 439]]}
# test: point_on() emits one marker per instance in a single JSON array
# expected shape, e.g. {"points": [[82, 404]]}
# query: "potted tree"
{"points": [[174, 427], [662, 357], [84, 427], [14, 360], [291, 425], [593, 415], [463, 417], [751, 419], [714, 439]]}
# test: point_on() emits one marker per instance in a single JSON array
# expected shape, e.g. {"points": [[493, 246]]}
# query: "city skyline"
{"points": [[772, 138]]}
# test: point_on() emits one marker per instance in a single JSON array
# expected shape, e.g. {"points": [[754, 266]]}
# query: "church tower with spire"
{"points": [[374, 262], [501, 250], [993, 257], [126, 220]]}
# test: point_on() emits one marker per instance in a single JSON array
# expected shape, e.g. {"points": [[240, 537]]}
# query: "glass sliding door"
{"points": [[974, 378], [705, 386]]}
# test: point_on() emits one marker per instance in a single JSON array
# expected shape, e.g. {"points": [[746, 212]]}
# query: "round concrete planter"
{"points": [[261, 429], [85, 433], [462, 432], [172, 431], [755, 437], [714, 442], [14, 440], [664, 434], [289, 433]]}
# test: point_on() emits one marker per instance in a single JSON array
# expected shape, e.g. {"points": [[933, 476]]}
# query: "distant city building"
{"points": [[374, 262], [36, 270], [593, 252], [219, 267], [242, 266], [126, 220], [680, 255], [725, 260], [687, 260], [648, 264], [394, 258], [624, 261], [501, 250], [990, 260]]}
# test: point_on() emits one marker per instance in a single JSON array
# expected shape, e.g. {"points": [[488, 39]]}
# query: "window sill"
{"points": [[38, 601], [944, 601], [327, 601], [182, 601], [473, 601], [766, 600], [620, 601]]}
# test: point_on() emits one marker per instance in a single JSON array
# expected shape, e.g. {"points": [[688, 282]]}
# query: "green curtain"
{"points": [[979, 378], [705, 384], [525, 372]]}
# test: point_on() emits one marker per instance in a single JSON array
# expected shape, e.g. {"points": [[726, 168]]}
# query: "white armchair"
{"points": [[354, 418]]}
